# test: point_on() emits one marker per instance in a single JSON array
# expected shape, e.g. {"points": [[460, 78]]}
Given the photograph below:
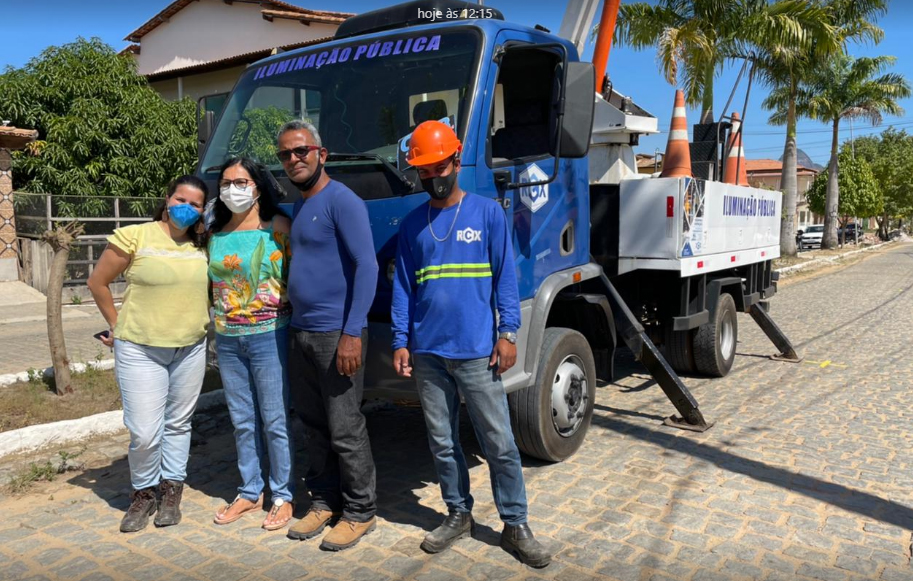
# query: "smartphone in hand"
{"points": [[102, 334]]}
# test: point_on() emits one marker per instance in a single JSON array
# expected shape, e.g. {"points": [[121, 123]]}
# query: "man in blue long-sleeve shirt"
{"points": [[332, 278], [454, 269]]}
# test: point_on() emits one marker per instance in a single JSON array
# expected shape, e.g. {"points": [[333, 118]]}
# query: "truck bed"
{"points": [[686, 225]]}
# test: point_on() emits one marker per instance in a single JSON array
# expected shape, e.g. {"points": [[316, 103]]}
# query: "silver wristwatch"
{"points": [[511, 337]]}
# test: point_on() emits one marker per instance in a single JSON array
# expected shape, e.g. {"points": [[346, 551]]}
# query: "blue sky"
{"points": [[28, 29]]}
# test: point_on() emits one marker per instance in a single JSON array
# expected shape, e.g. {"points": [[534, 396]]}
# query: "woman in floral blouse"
{"points": [[248, 267]]}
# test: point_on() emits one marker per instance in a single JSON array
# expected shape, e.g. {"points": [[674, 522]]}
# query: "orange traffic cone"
{"points": [[734, 170], [677, 161]]}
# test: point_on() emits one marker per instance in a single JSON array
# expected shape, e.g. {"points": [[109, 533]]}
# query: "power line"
{"points": [[828, 130]]}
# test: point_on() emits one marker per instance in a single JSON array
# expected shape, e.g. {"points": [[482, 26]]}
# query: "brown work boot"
{"points": [[346, 534], [312, 524], [142, 505], [169, 512]]}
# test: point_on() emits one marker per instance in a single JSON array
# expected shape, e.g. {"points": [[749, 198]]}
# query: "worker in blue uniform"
{"points": [[454, 272]]}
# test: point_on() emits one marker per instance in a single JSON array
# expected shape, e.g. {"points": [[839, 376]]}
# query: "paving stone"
{"points": [[285, 571], [13, 571], [620, 571], [735, 549], [222, 570], [742, 569], [74, 568], [822, 573], [97, 577]]}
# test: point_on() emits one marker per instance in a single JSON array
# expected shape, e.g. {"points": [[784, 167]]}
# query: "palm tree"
{"points": [[783, 68], [849, 88], [694, 38]]}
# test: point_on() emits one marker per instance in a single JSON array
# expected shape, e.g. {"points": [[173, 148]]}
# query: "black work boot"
{"points": [[456, 526], [170, 503], [142, 506], [519, 541]]}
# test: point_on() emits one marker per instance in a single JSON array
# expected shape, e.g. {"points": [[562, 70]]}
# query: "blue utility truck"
{"points": [[602, 257]]}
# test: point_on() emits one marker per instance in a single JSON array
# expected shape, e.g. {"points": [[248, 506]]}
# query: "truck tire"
{"points": [[550, 418], [715, 341], [679, 350]]}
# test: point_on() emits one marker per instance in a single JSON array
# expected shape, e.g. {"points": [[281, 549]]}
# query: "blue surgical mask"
{"points": [[183, 215]]}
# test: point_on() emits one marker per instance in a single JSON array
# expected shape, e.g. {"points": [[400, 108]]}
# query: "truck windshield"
{"points": [[364, 97]]}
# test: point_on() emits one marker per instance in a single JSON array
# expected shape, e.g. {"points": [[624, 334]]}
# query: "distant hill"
{"points": [[804, 160]]}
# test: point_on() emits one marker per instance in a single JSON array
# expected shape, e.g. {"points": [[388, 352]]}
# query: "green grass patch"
{"points": [[22, 480], [34, 401]]}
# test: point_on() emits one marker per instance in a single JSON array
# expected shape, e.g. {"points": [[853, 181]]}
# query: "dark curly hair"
{"points": [[268, 206], [199, 236]]}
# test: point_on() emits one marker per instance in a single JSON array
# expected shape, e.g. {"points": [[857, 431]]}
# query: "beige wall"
{"points": [[209, 30], [803, 182], [199, 85]]}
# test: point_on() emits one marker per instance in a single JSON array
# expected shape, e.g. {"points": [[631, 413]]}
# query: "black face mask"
{"points": [[439, 187], [309, 183]]}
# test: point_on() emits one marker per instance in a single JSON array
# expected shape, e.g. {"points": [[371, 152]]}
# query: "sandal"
{"points": [[273, 511], [226, 520]]}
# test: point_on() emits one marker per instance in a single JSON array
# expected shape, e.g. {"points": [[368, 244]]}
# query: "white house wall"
{"points": [[200, 84], [209, 30]]}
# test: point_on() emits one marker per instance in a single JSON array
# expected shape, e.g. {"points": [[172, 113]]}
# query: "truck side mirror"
{"points": [[205, 124], [579, 102]]}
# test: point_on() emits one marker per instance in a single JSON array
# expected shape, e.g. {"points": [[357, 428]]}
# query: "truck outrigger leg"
{"points": [[636, 339], [774, 333]]}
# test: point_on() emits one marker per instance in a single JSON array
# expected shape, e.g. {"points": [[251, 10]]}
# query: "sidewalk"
{"points": [[24, 330]]}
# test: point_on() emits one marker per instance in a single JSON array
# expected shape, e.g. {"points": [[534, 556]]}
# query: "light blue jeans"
{"points": [[159, 387], [253, 369], [441, 382]]}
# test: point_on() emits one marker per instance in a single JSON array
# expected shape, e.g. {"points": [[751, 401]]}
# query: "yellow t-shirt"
{"points": [[166, 303]]}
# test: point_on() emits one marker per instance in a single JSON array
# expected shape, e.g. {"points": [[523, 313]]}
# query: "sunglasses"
{"points": [[286, 154]]}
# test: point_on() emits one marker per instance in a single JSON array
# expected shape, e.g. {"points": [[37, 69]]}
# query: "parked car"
{"points": [[851, 230], [811, 238]]}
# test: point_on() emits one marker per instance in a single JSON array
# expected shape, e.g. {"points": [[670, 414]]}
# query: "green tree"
{"points": [[255, 135], [102, 129], [860, 195], [891, 156], [785, 67], [695, 38], [849, 88]]}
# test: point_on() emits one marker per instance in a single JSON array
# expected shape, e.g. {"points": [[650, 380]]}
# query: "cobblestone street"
{"points": [[806, 475]]}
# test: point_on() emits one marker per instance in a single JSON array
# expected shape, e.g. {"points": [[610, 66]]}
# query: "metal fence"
{"points": [[100, 215]]}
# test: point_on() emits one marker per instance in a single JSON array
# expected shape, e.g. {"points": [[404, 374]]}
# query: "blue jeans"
{"points": [[159, 387], [440, 383], [256, 390]]}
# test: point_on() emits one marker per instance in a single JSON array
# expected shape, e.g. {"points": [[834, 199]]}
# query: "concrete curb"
{"points": [[826, 259], [32, 438], [11, 378]]}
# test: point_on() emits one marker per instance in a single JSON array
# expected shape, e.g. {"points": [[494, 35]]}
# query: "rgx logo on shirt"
{"points": [[469, 235]]}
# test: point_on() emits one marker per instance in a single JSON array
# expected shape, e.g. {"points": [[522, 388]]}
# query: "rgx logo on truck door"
{"points": [[533, 197]]}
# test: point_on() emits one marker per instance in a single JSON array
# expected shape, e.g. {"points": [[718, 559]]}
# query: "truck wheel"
{"points": [[678, 349], [715, 341], [550, 418]]}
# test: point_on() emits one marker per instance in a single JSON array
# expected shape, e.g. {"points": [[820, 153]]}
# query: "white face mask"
{"points": [[237, 199]]}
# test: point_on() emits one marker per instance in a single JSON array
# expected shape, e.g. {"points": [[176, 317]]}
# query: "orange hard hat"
{"points": [[431, 142]]}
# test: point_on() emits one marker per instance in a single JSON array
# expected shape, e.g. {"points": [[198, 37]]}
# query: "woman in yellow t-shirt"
{"points": [[159, 340]]}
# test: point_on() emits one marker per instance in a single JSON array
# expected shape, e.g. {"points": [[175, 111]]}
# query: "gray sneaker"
{"points": [[456, 526], [142, 506], [518, 540]]}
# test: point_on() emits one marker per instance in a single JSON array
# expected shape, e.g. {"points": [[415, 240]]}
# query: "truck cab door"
{"points": [[518, 141]]}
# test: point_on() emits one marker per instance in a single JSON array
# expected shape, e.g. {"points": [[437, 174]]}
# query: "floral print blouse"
{"points": [[249, 272]]}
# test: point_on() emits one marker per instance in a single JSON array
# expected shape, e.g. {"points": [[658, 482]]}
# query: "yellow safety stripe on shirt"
{"points": [[478, 270]]}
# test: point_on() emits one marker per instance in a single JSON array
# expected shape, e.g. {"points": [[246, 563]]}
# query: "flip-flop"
{"points": [[273, 511], [224, 521]]}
